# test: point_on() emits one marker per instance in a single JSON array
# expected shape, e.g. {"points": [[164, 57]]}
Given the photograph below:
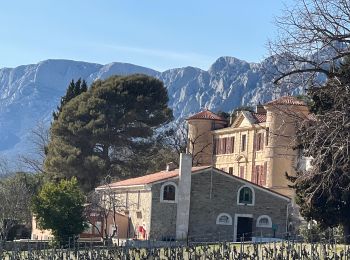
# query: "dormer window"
{"points": [[168, 192]]}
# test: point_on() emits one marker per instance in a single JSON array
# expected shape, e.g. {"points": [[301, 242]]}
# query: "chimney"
{"points": [[183, 196], [260, 109], [170, 166]]}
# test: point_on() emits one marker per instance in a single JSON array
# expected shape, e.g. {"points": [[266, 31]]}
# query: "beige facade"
{"points": [[94, 231], [257, 146]]}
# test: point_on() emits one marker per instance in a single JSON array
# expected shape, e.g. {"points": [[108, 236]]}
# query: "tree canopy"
{"points": [[323, 191], [59, 207], [107, 130], [74, 89]]}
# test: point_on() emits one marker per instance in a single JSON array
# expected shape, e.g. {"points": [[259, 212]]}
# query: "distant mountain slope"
{"points": [[29, 93]]}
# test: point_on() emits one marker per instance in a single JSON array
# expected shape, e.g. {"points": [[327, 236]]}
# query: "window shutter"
{"points": [[263, 173], [232, 144], [241, 172], [228, 145], [254, 175]]}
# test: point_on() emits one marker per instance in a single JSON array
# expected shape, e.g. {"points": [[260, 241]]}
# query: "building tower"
{"points": [[200, 140], [282, 116]]}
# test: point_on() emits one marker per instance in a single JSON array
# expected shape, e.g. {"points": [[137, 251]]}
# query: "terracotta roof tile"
{"points": [[260, 118], [207, 114], [287, 100], [150, 178]]}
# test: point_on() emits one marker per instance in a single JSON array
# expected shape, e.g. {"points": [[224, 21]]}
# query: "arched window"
{"points": [[224, 219], [264, 221], [246, 196], [168, 192]]}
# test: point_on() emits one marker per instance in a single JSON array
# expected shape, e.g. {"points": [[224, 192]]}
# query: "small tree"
{"points": [[15, 194], [59, 207]]}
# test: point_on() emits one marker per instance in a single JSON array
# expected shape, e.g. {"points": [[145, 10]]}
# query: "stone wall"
{"points": [[163, 220], [213, 193]]}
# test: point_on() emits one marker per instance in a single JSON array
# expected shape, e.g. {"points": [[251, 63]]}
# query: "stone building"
{"points": [[256, 146], [200, 203], [95, 229]]}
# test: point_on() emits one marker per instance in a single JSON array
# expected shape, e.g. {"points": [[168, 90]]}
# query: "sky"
{"points": [[159, 34]]}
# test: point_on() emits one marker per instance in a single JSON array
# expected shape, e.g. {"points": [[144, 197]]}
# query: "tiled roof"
{"points": [[150, 178], [287, 100], [260, 118], [206, 114]]}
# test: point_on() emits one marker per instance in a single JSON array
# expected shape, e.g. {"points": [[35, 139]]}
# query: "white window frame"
{"points": [[221, 223], [253, 194], [269, 225], [162, 192]]}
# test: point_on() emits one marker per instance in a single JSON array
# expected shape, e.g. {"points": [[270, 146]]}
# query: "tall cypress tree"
{"points": [[74, 89]]}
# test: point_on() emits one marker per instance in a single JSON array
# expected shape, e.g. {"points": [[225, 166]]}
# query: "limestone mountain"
{"points": [[30, 93]]}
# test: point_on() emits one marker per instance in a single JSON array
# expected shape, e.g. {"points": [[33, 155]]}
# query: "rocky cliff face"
{"points": [[29, 93]]}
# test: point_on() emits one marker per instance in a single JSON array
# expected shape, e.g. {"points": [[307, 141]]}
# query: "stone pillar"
{"points": [[183, 196]]}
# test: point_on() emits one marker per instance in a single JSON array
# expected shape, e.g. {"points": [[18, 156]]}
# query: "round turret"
{"points": [[200, 139], [281, 122]]}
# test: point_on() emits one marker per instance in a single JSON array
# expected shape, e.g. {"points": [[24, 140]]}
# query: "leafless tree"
{"points": [[34, 159], [179, 141], [4, 167], [313, 37], [14, 204], [105, 205]]}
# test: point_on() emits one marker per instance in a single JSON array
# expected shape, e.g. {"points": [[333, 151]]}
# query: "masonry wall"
{"points": [[213, 193], [136, 204], [163, 219]]}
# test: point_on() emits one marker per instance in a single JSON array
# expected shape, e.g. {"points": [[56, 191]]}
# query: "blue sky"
{"points": [[159, 34]]}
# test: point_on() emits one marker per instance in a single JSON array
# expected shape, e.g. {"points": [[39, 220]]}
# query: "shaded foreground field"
{"points": [[224, 250]]}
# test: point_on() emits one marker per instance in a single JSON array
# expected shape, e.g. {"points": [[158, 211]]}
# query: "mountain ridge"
{"points": [[30, 93]]}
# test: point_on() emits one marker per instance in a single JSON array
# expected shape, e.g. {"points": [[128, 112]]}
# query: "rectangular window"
{"points": [[224, 145], [230, 170], [259, 141], [243, 145], [217, 146], [241, 172], [232, 141]]}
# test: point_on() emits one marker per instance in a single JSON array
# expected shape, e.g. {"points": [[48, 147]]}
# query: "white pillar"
{"points": [[183, 196]]}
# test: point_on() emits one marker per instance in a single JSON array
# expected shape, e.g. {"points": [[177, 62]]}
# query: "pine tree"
{"points": [[74, 89], [108, 130]]}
